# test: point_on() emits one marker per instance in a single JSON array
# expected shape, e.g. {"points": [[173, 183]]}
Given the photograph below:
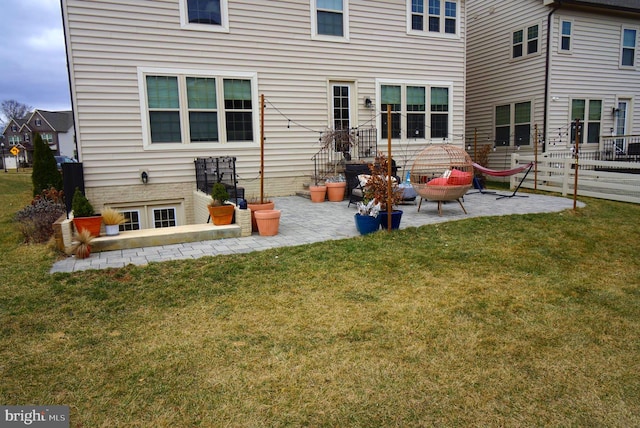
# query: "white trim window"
{"points": [[47, 137], [628, 47], [164, 217], [330, 19], [565, 43], [181, 107], [14, 140], [525, 41], [418, 110], [433, 17], [513, 120], [590, 114], [204, 15], [131, 220]]}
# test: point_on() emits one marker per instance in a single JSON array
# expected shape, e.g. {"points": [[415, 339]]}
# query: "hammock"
{"points": [[506, 173]]}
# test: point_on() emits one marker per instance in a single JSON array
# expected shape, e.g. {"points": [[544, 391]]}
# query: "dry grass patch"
{"points": [[520, 321]]}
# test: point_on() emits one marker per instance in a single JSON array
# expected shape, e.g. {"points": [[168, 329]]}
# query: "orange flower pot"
{"points": [[318, 193], [335, 191], [258, 207], [221, 215], [92, 224], [268, 222]]}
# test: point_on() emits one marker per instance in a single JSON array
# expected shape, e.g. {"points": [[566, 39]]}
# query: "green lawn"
{"points": [[527, 320]]}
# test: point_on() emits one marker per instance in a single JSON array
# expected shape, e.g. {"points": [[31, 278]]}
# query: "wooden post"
{"points": [[262, 148], [535, 157], [575, 176], [389, 207]]}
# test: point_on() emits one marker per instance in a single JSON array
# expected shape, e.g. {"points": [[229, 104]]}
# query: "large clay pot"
{"points": [[367, 224], [335, 191], [221, 215], [268, 222], [258, 207], [318, 193], [92, 224]]}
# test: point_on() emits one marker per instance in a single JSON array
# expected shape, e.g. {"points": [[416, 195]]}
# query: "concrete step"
{"points": [[164, 236]]}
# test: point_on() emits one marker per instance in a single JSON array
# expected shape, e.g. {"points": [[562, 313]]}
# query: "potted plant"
{"points": [[84, 217], [318, 190], [377, 189], [336, 186], [268, 222], [221, 212], [82, 244], [112, 220], [366, 217]]}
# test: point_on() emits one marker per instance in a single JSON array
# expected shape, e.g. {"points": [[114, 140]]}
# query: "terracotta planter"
{"points": [[221, 215], [318, 193], [258, 207], [92, 224], [268, 222], [111, 229], [83, 251], [335, 191]]}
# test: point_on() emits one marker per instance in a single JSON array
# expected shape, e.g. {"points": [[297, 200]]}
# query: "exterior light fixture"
{"points": [[144, 177]]}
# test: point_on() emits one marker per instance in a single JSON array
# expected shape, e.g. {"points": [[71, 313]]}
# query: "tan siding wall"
{"points": [[493, 77], [111, 39]]}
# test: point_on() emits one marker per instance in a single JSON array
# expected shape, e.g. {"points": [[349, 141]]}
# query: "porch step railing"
{"points": [[330, 160]]}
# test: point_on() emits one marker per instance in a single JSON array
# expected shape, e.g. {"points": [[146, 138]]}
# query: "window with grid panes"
{"points": [[416, 111], [391, 95], [203, 109], [164, 109], [503, 125], [628, 53], [522, 123], [439, 112], [590, 114], [330, 17], [238, 109]]}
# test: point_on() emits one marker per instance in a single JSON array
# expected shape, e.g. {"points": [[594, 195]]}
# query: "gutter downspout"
{"points": [[556, 6], [66, 51]]}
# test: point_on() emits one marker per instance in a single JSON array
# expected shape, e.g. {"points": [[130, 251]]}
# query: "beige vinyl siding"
{"points": [[493, 77], [591, 71], [110, 40]]}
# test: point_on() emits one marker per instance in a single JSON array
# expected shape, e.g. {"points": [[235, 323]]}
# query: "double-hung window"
{"points": [[417, 111], [566, 28], [513, 119], [628, 48], [525, 41], [590, 114], [189, 109], [432, 16], [330, 18], [204, 15]]}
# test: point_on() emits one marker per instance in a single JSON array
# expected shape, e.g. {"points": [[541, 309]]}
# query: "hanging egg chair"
{"points": [[442, 172]]}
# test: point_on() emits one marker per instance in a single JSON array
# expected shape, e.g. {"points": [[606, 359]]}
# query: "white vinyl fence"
{"points": [[613, 180]]}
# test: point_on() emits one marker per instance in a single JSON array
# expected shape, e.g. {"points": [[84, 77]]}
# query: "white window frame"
{"points": [[562, 36], [224, 17], [428, 84], [512, 122], [182, 74], [425, 29], [314, 23], [525, 42], [586, 121], [635, 48], [145, 211]]}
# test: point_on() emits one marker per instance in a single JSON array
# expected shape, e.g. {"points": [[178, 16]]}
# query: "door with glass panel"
{"points": [[621, 122], [341, 115]]}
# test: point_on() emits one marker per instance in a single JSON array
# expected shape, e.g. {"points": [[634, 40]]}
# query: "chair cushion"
{"points": [[440, 181], [363, 179], [459, 178]]}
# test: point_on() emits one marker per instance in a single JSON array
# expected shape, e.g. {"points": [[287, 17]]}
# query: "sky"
{"points": [[33, 67]]}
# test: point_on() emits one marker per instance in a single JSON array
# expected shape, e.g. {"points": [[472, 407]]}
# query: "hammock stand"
{"points": [[506, 173]]}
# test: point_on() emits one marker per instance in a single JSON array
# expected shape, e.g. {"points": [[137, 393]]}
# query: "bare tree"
{"points": [[12, 109]]}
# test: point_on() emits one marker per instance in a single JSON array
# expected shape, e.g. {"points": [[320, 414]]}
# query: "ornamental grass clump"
{"points": [[112, 217]]}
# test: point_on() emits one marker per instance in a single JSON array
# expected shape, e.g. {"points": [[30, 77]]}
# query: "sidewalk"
{"points": [[304, 222]]}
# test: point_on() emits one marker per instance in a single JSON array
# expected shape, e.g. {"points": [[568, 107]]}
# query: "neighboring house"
{"points": [[546, 63], [157, 84], [55, 128]]}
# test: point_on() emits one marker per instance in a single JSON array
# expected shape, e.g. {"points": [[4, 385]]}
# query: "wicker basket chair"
{"points": [[441, 173]]}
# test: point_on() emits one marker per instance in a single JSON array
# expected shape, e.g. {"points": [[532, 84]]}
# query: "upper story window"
{"points": [[433, 16], [38, 122], [590, 114], [184, 108], [15, 140], [204, 15], [14, 128], [513, 120], [566, 30], [525, 41], [417, 111], [628, 49], [330, 19]]}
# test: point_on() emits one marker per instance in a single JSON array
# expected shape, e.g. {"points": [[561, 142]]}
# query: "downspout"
{"points": [[66, 50], [556, 6]]}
